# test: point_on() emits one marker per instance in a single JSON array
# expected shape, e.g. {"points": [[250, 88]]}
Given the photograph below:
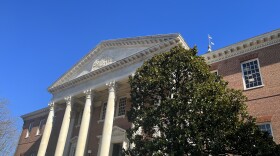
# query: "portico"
{"points": [[98, 84]]}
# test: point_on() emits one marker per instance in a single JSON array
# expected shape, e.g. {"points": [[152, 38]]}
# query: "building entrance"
{"points": [[117, 149]]}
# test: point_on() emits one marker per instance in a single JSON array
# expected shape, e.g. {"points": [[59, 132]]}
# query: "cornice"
{"points": [[162, 43], [37, 113], [243, 47], [145, 40]]}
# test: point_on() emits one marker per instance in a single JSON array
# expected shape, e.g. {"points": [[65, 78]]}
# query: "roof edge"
{"points": [[39, 112], [242, 47]]}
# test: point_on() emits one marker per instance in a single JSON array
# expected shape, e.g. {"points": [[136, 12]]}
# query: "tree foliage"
{"points": [[8, 130], [180, 108]]}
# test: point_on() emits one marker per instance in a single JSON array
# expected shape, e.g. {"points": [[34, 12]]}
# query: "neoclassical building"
{"points": [[87, 114]]}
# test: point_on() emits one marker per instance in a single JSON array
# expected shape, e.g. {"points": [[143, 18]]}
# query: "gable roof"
{"points": [[136, 48]]}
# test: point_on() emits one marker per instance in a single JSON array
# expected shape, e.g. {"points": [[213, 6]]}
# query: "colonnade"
{"points": [[84, 127]]}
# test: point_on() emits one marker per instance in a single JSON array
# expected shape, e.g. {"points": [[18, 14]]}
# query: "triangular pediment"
{"points": [[117, 131], [105, 57], [109, 52]]}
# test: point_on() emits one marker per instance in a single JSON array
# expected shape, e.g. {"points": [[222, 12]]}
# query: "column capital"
{"points": [[111, 86], [88, 93], [68, 100], [51, 105]]}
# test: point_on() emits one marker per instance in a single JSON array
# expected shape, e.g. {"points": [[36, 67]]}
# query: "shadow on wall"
{"points": [[33, 149]]}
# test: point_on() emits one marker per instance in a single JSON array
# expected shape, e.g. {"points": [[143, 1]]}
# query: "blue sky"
{"points": [[40, 40]]}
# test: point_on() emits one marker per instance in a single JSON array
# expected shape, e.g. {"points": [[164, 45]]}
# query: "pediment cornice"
{"points": [[243, 47], [157, 42]]}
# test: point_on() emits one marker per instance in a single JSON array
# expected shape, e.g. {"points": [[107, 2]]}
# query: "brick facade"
{"points": [[263, 102]]}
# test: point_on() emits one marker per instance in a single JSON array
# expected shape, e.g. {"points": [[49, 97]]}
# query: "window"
{"points": [[251, 74], [73, 149], [40, 127], [266, 127], [79, 119], [29, 130], [103, 112], [73, 145], [117, 149], [122, 105]]}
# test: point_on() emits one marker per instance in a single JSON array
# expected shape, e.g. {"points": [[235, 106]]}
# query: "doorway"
{"points": [[117, 149]]}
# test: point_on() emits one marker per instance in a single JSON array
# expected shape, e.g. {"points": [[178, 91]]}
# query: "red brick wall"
{"points": [[29, 145], [263, 102]]}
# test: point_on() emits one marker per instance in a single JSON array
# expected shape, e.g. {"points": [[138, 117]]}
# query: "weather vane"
{"points": [[210, 43]]}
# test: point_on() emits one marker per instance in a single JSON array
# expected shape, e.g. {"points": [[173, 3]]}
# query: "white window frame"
{"points": [[118, 106], [243, 76], [40, 127], [265, 123], [215, 71], [103, 111], [73, 146], [28, 132], [116, 111], [79, 116]]}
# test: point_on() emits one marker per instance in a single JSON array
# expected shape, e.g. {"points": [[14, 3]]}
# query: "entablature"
{"points": [[243, 47]]}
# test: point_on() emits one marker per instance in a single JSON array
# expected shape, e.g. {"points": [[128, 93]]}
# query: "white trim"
{"points": [[35, 114], [73, 145], [102, 111], [243, 47], [79, 119], [215, 71], [29, 130], [118, 106], [163, 41], [244, 83], [40, 127], [116, 117], [73, 149], [119, 117]]}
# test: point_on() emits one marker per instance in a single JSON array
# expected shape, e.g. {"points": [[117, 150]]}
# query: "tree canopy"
{"points": [[180, 108]]}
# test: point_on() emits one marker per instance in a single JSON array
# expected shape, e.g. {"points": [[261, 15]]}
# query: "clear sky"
{"points": [[40, 40]]}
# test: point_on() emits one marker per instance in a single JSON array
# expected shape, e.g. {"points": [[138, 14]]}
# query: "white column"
{"points": [[67, 145], [108, 123], [64, 128], [47, 131], [83, 133]]}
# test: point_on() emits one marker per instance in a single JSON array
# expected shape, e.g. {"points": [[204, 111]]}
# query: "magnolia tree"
{"points": [[180, 108], [8, 130]]}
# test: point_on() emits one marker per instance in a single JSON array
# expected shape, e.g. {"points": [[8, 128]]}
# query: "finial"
{"points": [[210, 43]]}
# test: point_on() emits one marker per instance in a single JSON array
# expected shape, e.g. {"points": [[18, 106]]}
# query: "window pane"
{"points": [[122, 105], [265, 128], [252, 77], [104, 110]]}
